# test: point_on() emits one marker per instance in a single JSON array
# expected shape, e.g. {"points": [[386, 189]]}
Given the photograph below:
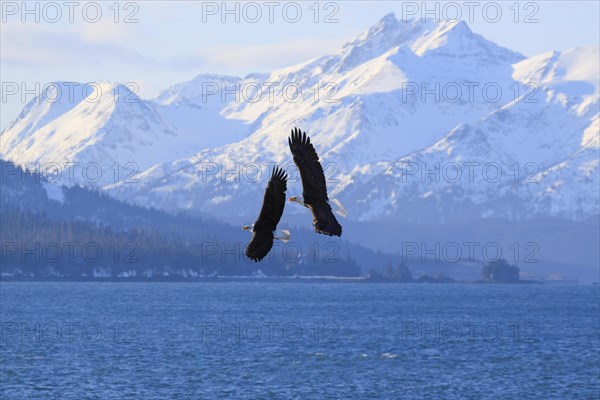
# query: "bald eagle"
{"points": [[264, 230], [314, 189]]}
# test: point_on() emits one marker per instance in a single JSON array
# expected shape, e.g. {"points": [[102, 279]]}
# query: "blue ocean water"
{"points": [[298, 340]]}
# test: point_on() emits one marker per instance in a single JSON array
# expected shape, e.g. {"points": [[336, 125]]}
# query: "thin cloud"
{"points": [[48, 46], [266, 56], [106, 31]]}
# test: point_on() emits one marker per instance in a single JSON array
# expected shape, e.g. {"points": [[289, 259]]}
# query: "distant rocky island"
{"points": [[499, 271]]}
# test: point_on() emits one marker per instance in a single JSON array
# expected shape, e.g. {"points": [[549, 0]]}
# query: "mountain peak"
{"points": [[388, 21], [447, 39], [380, 38], [454, 40], [456, 26], [374, 118]]}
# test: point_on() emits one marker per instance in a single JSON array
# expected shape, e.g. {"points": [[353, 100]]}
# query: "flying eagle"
{"points": [[264, 230], [314, 189]]}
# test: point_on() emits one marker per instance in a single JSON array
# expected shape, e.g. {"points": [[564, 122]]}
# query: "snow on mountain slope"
{"points": [[402, 93], [195, 112], [388, 100], [570, 187], [110, 125], [554, 68], [544, 145], [56, 100], [379, 106]]}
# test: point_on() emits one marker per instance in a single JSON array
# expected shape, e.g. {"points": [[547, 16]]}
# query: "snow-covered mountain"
{"points": [[400, 99], [537, 155], [87, 131]]}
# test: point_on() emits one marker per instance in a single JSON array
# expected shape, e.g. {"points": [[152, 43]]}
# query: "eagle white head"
{"points": [[297, 199], [337, 207]]}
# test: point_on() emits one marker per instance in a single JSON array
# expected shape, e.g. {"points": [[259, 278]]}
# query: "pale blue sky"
{"points": [[173, 41]]}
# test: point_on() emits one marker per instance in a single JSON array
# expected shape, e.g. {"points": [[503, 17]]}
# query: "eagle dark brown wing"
{"points": [[306, 159], [260, 245], [270, 214], [314, 187], [324, 221]]}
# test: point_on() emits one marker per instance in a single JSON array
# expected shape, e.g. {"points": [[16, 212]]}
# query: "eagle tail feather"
{"points": [[282, 234], [339, 208]]}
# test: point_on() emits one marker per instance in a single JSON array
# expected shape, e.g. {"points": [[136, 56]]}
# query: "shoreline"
{"points": [[250, 279]]}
